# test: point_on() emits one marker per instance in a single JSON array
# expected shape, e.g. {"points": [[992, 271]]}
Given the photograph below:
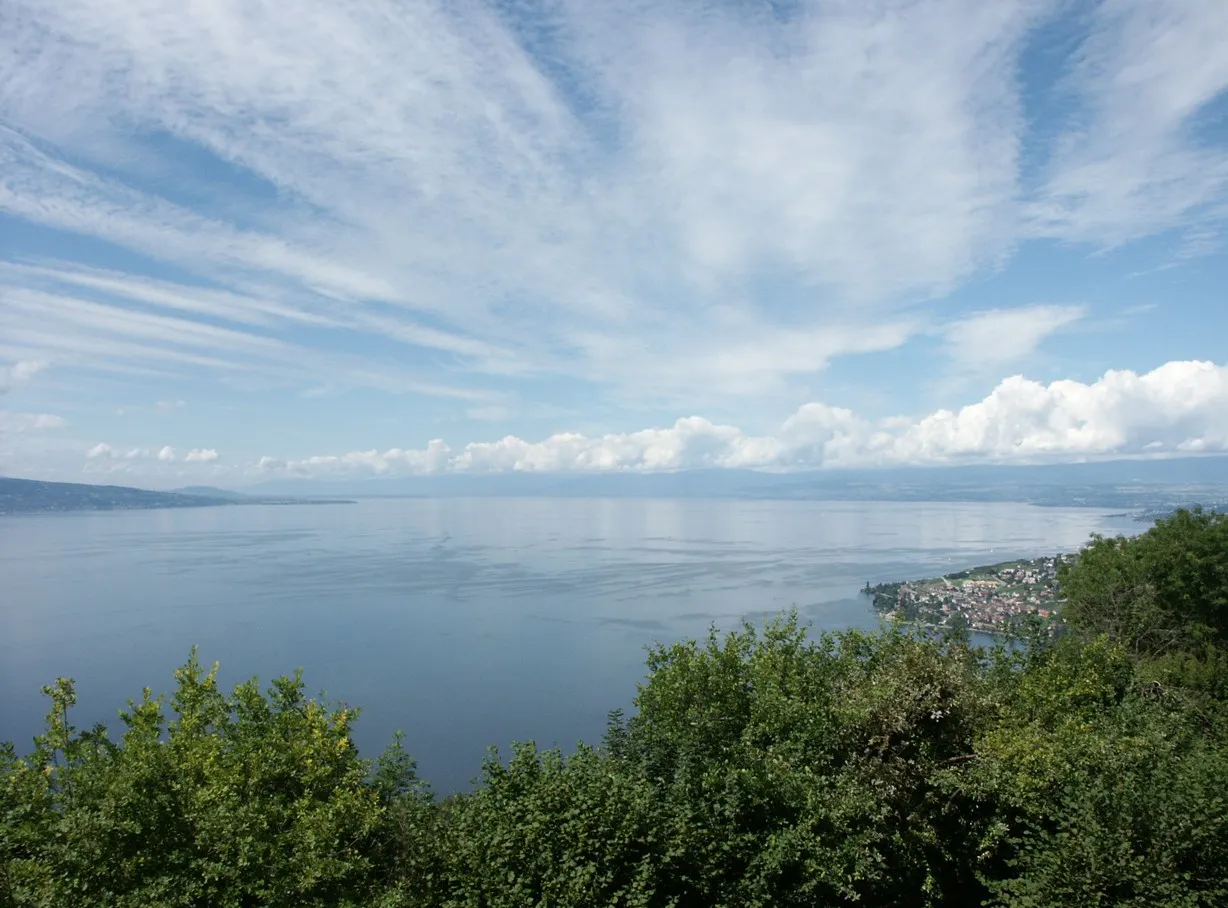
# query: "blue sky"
{"points": [[247, 240]]}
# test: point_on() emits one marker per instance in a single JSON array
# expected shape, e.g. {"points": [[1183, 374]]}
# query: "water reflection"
{"points": [[463, 622]]}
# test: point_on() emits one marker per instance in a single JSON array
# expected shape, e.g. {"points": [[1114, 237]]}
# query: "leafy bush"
{"points": [[1163, 590], [246, 799]]}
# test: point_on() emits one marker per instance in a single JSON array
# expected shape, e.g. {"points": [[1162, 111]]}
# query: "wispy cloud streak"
{"points": [[668, 202]]}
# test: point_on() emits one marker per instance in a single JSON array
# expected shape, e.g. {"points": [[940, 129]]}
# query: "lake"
{"points": [[463, 622]]}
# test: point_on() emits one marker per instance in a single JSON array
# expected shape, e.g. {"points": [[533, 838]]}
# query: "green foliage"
{"points": [[799, 773], [542, 831], [759, 768], [1166, 589], [1105, 783], [244, 799], [1143, 820]]}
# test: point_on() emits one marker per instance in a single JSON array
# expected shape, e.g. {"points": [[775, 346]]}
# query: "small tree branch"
{"points": [[962, 758]]}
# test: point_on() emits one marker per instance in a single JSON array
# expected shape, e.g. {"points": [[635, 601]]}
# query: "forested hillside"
{"points": [[760, 768]]}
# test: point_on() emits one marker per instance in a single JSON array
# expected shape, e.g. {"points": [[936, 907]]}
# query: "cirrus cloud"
{"points": [[24, 422], [732, 196], [996, 337]]}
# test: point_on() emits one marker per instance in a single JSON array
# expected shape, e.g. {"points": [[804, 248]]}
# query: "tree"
{"points": [[1107, 790], [236, 800], [803, 772], [1164, 589]]}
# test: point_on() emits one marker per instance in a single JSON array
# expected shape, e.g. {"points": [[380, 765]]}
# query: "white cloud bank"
{"points": [[1178, 408], [165, 454]]}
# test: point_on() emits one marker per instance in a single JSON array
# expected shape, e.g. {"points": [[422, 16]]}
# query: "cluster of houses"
{"points": [[988, 600]]}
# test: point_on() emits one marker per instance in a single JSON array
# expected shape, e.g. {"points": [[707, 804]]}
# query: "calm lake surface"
{"points": [[463, 622]]}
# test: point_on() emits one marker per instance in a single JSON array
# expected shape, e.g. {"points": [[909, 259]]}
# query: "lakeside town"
{"points": [[989, 599]]}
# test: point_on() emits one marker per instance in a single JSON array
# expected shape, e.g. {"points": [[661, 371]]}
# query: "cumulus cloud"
{"points": [[20, 372], [165, 454], [1180, 406], [692, 442], [24, 371], [1177, 408]]}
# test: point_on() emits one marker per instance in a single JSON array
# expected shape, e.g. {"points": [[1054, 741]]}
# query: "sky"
{"points": [[243, 240]]}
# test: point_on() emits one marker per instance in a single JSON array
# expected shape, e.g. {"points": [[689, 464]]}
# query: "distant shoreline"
{"points": [[26, 496], [34, 512], [29, 496]]}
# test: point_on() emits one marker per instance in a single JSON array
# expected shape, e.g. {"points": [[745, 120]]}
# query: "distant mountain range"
{"points": [[1155, 486], [1131, 485], [28, 496]]}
